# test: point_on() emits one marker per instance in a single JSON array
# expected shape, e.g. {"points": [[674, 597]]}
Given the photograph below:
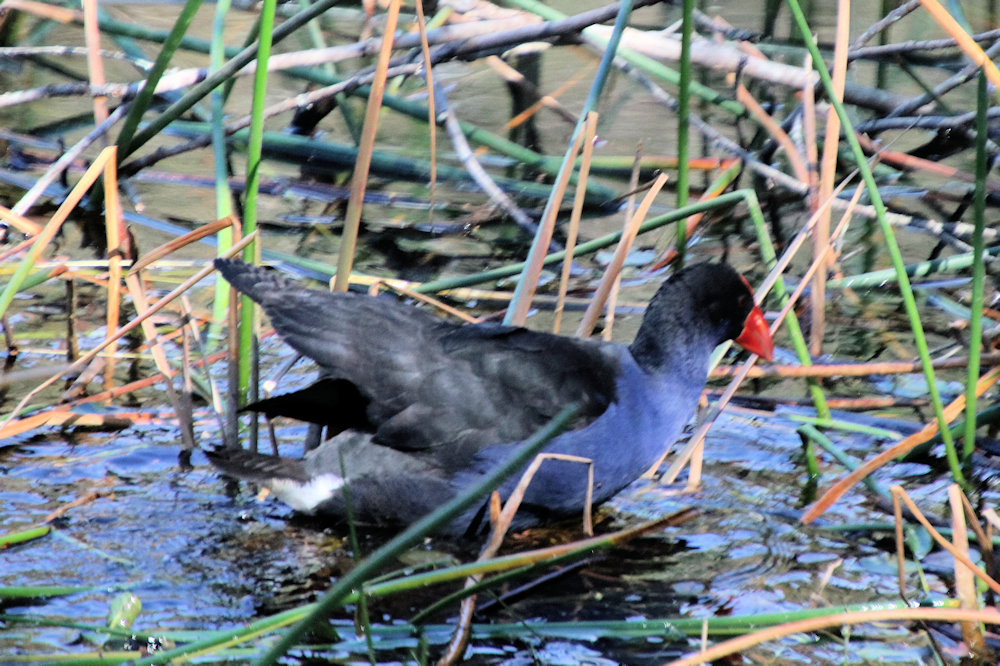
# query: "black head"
{"points": [[696, 309], [721, 294]]}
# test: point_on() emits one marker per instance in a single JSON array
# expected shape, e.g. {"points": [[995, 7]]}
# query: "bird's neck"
{"points": [[673, 340]]}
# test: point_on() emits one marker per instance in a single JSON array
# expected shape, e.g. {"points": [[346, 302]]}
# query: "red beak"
{"points": [[756, 336]]}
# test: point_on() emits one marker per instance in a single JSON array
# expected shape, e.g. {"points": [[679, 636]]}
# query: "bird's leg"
{"points": [[500, 519], [272, 435], [314, 436], [517, 496]]}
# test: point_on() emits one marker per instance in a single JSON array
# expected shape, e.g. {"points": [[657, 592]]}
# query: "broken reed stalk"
{"points": [[965, 42], [899, 494], [903, 447], [776, 132], [614, 267], [965, 580], [399, 288], [715, 189], [425, 55], [866, 369], [517, 313], [359, 180], [121, 332], [627, 226], [138, 294], [115, 233], [589, 134], [827, 174], [95, 64], [544, 100], [836, 620]]}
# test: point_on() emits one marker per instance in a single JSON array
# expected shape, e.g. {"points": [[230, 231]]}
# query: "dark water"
{"points": [[200, 557]]}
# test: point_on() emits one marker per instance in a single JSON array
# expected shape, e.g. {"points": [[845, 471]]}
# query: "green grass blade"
{"points": [[892, 247], [781, 293], [684, 125], [541, 242], [251, 253], [145, 96], [978, 270]]}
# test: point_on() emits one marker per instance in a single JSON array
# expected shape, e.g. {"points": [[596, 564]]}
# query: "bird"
{"points": [[417, 408]]}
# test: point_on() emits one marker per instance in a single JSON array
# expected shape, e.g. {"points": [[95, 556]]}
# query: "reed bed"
{"points": [[850, 176]]}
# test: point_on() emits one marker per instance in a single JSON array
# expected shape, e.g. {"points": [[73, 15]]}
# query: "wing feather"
{"points": [[431, 384]]}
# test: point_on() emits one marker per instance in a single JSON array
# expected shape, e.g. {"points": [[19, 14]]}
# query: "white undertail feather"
{"points": [[306, 497]]}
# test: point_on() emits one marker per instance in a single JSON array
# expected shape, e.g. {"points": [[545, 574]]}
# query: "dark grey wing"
{"points": [[429, 383], [350, 336], [315, 404], [501, 384], [539, 372], [381, 346], [387, 350]]}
